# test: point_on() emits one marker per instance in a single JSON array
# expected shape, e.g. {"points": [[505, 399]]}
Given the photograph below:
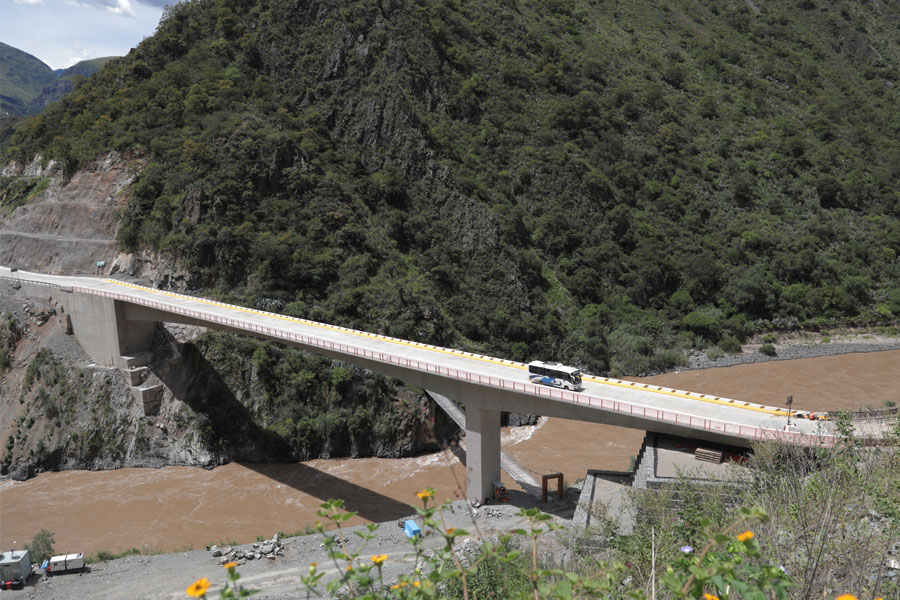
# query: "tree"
{"points": [[41, 547]]}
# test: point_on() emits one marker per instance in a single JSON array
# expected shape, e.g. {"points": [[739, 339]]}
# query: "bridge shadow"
{"points": [[227, 427], [369, 504]]}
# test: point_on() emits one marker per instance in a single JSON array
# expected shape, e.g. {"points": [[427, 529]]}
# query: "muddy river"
{"points": [[183, 507]]}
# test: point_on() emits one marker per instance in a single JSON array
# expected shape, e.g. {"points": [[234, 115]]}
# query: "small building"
{"points": [[15, 566]]}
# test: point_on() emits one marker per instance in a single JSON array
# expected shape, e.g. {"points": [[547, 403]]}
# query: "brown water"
{"points": [[181, 507]]}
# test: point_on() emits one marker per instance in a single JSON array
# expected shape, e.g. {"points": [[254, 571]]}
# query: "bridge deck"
{"points": [[727, 418]]}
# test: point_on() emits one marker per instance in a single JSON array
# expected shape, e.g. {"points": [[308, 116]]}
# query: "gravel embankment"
{"points": [[166, 576], [796, 349]]}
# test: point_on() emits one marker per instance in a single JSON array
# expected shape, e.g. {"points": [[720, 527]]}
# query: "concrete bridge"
{"points": [[114, 322]]}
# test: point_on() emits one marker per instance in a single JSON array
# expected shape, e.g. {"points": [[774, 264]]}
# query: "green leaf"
{"points": [[563, 589]]}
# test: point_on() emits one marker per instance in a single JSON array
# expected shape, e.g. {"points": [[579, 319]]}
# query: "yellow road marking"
{"points": [[508, 363]]}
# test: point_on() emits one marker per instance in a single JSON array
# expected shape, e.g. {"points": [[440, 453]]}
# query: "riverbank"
{"points": [[214, 502], [166, 576], [798, 344]]}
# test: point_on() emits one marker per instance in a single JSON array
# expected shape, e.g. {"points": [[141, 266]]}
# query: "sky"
{"points": [[63, 32]]}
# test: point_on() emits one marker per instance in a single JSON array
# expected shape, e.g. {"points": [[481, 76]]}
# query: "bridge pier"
{"points": [[482, 450], [102, 329]]}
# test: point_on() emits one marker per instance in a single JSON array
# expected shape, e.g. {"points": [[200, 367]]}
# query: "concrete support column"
{"points": [[482, 451], [103, 331]]}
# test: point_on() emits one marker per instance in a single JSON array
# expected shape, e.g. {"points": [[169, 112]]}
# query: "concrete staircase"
{"points": [[147, 390]]}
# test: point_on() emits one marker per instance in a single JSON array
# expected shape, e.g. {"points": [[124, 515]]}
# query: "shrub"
{"points": [[41, 547], [730, 344], [728, 557], [768, 350], [714, 353], [770, 338]]}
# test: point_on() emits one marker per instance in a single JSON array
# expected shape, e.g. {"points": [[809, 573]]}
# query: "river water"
{"points": [[176, 508]]}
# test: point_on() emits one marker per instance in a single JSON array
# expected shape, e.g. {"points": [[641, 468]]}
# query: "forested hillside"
{"points": [[22, 77], [603, 183]]}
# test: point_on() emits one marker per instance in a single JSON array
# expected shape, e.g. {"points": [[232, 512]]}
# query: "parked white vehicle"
{"points": [[65, 563]]}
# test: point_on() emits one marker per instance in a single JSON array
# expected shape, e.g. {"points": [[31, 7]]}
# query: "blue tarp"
{"points": [[412, 529], [45, 563]]}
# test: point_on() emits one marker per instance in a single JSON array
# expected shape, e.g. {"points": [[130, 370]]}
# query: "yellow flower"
{"points": [[425, 494], [349, 568], [451, 530], [314, 564], [230, 565], [379, 558], [709, 597], [848, 597], [397, 586], [416, 583], [198, 588], [747, 535]]}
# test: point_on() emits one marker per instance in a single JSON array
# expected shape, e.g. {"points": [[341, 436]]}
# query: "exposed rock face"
{"points": [[153, 268], [66, 226], [58, 410]]}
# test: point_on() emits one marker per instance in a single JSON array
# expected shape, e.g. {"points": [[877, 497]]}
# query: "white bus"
{"points": [[554, 374]]}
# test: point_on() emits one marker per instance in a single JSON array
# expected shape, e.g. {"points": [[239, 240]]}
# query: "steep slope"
{"points": [[22, 77], [65, 82], [602, 183], [60, 225], [224, 399]]}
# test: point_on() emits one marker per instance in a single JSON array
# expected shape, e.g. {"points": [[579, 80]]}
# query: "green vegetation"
{"points": [[606, 184], [731, 565], [294, 405], [17, 191], [27, 85], [22, 77], [66, 418], [834, 514], [41, 547], [10, 334], [820, 524], [104, 555], [768, 350]]}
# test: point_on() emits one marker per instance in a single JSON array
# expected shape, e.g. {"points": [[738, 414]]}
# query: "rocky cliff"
{"points": [[59, 410]]}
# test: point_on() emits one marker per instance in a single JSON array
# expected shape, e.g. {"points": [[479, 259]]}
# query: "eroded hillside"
{"points": [[222, 398]]}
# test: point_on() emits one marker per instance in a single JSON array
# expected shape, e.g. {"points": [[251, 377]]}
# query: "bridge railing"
{"points": [[32, 282], [617, 406]]}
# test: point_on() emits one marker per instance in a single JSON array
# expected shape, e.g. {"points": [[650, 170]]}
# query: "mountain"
{"points": [[608, 184], [22, 77], [65, 82], [27, 85]]}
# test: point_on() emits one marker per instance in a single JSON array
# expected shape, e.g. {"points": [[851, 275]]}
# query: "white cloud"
{"points": [[122, 7], [62, 33], [116, 7], [28, 2], [81, 52]]}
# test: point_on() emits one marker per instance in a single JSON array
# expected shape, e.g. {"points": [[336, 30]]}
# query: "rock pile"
{"points": [[256, 551], [38, 316]]}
